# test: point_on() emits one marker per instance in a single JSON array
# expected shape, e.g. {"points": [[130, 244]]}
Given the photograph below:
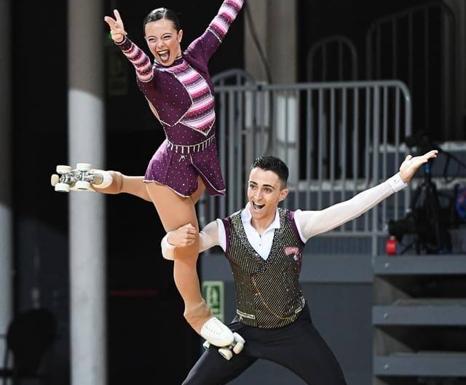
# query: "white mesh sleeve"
{"points": [[312, 223]]}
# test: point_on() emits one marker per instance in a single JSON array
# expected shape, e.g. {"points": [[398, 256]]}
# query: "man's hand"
{"points": [[184, 236], [117, 29], [411, 164]]}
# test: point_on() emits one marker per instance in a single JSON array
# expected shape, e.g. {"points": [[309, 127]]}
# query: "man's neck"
{"points": [[262, 224]]}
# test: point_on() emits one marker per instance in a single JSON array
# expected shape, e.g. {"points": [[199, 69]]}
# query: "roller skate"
{"points": [[217, 334], [82, 178]]}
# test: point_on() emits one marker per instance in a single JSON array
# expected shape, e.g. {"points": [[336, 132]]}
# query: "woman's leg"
{"points": [[121, 183], [200, 190], [175, 211]]}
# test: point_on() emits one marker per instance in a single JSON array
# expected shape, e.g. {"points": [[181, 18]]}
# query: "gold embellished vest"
{"points": [[268, 293]]}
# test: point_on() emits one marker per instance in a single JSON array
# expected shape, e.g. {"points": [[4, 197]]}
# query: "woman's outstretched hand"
{"points": [[117, 29], [411, 164]]}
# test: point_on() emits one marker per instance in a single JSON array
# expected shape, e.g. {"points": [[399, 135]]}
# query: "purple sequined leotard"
{"points": [[182, 95]]}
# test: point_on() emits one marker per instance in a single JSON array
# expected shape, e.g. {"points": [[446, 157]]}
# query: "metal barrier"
{"points": [[234, 76], [337, 139], [418, 46], [333, 58]]}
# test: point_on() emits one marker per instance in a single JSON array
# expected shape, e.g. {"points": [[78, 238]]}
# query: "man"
{"points": [[264, 245]]}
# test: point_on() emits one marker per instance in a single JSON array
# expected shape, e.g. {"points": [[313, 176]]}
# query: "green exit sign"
{"points": [[213, 292]]}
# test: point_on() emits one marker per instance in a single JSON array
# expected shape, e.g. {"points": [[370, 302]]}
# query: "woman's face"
{"points": [[163, 41]]}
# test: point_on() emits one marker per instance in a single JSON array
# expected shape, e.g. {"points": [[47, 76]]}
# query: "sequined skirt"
{"points": [[180, 168]]}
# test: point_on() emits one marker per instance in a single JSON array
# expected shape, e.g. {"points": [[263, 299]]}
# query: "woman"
{"points": [[179, 92]]}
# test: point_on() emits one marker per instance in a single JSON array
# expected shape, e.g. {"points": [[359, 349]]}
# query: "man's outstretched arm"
{"points": [[312, 223]]}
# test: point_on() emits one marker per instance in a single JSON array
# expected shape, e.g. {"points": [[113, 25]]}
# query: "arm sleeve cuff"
{"points": [[222, 238], [396, 183], [167, 249], [297, 220]]}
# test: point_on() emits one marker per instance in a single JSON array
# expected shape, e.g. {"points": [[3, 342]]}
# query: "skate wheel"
{"points": [[238, 338], [83, 166], [206, 345], [62, 187], [82, 185], [225, 353], [238, 348], [61, 169], [54, 179], [239, 343]]}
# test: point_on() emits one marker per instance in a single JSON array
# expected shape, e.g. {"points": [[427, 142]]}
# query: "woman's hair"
{"points": [[271, 163], [162, 13]]}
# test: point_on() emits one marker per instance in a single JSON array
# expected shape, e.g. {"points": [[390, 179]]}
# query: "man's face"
{"points": [[265, 192]]}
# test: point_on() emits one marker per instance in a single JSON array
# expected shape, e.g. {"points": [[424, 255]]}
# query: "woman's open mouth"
{"points": [[164, 55]]}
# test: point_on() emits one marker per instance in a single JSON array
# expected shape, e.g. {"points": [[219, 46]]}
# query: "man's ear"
{"points": [[283, 194]]}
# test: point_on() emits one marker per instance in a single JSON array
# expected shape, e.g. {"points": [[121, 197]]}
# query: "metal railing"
{"points": [[333, 58], [337, 139], [418, 46], [234, 76]]}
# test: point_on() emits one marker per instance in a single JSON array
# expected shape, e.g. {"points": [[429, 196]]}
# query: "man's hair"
{"points": [[271, 163]]}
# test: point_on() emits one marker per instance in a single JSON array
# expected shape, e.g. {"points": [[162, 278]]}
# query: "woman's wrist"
{"points": [[120, 41]]}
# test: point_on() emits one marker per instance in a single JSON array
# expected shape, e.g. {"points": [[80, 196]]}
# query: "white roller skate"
{"points": [[82, 178], [217, 334]]}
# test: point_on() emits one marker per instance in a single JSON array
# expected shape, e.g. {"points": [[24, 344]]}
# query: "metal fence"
{"points": [[333, 58], [337, 139], [418, 45]]}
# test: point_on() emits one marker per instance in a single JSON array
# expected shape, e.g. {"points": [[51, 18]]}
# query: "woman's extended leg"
{"points": [[121, 183], [175, 211], [134, 185]]}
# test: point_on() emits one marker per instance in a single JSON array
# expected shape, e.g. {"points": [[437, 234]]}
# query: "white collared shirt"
{"points": [[261, 243]]}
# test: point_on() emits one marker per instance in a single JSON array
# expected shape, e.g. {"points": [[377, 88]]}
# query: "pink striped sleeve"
{"points": [[138, 59], [225, 17]]}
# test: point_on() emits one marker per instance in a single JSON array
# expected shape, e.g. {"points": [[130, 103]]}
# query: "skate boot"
{"points": [[82, 178], [217, 334]]}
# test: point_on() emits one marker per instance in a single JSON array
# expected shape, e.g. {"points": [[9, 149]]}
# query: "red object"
{"points": [[390, 246]]}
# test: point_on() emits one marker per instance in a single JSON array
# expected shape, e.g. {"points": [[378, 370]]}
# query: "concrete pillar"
{"points": [[252, 60], [282, 44], [6, 247], [87, 215], [276, 24]]}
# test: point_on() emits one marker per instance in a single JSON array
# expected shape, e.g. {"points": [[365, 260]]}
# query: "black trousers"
{"points": [[298, 347]]}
